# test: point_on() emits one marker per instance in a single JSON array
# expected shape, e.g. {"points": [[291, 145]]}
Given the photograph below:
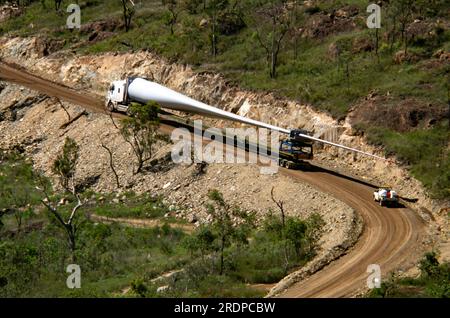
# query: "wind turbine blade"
{"points": [[341, 146], [142, 90]]}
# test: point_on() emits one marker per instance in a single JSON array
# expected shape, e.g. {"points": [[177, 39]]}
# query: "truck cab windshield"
{"points": [[297, 149]]}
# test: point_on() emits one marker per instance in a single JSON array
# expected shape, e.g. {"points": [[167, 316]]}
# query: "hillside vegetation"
{"points": [[393, 83], [433, 281], [219, 259]]}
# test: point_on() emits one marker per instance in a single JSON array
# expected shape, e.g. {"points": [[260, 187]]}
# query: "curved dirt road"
{"points": [[391, 237]]}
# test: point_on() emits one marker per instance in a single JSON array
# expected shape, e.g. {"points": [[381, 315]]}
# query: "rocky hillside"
{"points": [[38, 130], [390, 86], [399, 110], [95, 73], [34, 124]]}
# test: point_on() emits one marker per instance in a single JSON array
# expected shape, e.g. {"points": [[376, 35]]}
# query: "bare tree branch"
{"points": [[280, 205], [74, 210], [83, 113], [111, 164], [112, 120], [63, 107]]}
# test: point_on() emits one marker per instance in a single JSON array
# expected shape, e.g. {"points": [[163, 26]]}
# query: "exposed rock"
{"points": [[17, 108], [9, 11], [203, 23], [321, 25], [333, 51], [362, 45], [401, 57], [192, 218], [402, 116], [162, 289], [347, 11]]}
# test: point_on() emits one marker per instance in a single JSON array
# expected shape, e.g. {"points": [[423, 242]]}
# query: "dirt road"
{"points": [[391, 237], [13, 74]]}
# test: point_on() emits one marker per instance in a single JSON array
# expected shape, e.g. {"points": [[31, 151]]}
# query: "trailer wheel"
{"points": [[288, 165]]}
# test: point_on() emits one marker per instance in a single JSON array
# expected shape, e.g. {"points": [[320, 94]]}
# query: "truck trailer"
{"points": [[293, 151]]}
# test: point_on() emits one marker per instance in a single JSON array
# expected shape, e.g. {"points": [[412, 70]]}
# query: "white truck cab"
{"points": [[117, 96]]}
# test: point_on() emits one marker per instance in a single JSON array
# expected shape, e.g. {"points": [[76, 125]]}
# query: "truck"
{"points": [[293, 151], [385, 196]]}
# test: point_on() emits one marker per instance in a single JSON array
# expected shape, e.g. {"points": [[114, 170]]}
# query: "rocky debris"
{"points": [[402, 57], [88, 182], [100, 30], [16, 109], [73, 119], [439, 54], [426, 30], [333, 51], [29, 145], [321, 24], [192, 218], [38, 47], [200, 168], [63, 201], [409, 113], [109, 25], [169, 275], [203, 23], [162, 164], [362, 44], [9, 11], [45, 46], [162, 289], [347, 11]]}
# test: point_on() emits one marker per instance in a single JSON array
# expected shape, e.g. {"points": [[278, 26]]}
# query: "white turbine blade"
{"points": [[341, 146], [142, 90]]}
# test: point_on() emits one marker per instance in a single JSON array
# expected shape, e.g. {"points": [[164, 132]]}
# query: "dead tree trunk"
{"points": [[111, 164], [280, 205]]}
